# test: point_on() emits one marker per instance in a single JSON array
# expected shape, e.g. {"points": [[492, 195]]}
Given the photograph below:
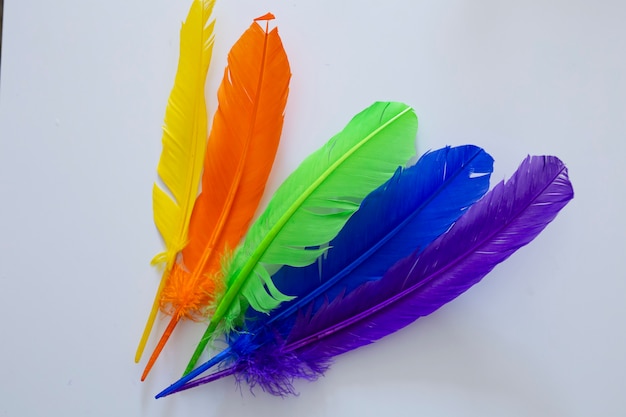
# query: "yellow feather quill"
{"points": [[184, 143]]}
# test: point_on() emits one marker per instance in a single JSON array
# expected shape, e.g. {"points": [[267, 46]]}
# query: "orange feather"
{"points": [[240, 153]]}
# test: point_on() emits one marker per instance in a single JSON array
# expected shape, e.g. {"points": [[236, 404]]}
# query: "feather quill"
{"points": [[240, 152], [310, 208], [184, 141], [507, 218]]}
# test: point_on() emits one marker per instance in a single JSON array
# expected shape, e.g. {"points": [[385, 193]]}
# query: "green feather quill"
{"points": [[311, 207]]}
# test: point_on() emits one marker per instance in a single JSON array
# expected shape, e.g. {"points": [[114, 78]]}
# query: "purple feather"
{"points": [[507, 218]]}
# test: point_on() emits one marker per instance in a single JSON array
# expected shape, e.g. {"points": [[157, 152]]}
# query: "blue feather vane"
{"points": [[417, 242]]}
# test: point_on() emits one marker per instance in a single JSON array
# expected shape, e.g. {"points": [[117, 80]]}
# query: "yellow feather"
{"points": [[184, 143]]}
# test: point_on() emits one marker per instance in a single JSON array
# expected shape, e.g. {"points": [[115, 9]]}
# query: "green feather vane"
{"points": [[311, 207]]}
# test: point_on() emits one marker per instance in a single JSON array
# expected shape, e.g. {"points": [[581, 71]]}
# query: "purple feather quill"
{"points": [[507, 218]]}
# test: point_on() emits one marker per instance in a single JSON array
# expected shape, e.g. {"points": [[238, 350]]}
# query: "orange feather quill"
{"points": [[238, 160]]}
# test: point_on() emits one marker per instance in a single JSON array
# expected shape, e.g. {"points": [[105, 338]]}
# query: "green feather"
{"points": [[311, 207]]}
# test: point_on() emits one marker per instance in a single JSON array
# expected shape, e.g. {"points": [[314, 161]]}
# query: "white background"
{"points": [[83, 91]]}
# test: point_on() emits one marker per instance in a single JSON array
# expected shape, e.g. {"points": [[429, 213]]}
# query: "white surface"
{"points": [[83, 91]]}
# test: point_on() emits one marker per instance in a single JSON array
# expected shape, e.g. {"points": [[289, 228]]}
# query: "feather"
{"points": [[184, 141], [507, 218], [240, 152], [311, 206]]}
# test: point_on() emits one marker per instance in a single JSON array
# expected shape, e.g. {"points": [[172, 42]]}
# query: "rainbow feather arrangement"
{"points": [[300, 342], [352, 247]]}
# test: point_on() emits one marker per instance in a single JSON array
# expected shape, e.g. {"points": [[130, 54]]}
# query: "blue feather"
{"points": [[406, 213]]}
